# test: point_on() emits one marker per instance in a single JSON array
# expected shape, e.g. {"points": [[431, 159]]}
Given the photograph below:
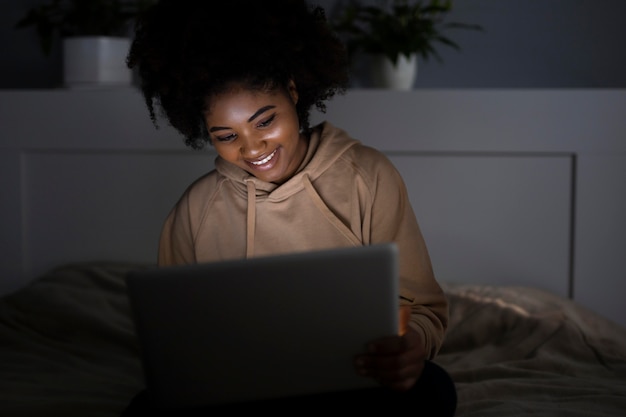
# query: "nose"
{"points": [[252, 147]]}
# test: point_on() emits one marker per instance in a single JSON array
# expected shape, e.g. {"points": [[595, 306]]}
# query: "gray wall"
{"points": [[526, 44]]}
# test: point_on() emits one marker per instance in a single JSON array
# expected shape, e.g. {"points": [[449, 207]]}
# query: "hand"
{"points": [[394, 361]]}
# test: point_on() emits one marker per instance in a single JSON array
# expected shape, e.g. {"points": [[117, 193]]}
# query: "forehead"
{"points": [[239, 98]]}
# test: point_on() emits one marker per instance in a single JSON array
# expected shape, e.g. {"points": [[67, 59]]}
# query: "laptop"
{"points": [[265, 327]]}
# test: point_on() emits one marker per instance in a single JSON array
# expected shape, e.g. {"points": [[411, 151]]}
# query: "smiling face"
{"points": [[258, 131]]}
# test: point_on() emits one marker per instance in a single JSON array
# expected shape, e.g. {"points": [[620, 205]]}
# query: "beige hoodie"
{"points": [[343, 194]]}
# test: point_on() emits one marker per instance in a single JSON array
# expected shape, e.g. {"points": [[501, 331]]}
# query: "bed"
{"points": [[68, 348], [520, 196]]}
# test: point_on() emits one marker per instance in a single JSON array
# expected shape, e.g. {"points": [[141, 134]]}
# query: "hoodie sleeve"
{"points": [[393, 219], [176, 241]]}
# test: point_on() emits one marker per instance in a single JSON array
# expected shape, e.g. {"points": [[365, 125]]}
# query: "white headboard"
{"points": [[523, 187]]}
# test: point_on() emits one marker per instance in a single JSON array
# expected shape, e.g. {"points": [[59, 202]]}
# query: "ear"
{"points": [[293, 91]]}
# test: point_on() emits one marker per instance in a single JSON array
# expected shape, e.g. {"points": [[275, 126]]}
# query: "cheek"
{"points": [[289, 130], [229, 153]]}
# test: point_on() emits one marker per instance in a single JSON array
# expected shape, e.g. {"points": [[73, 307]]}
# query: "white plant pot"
{"points": [[399, 77], [97, 61]]}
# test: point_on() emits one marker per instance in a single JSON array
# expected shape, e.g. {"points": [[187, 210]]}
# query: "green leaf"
{"points": [[397, 27]]}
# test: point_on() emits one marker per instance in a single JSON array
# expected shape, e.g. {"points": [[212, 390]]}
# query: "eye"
{"points": [[226, 138], [267, 122]]}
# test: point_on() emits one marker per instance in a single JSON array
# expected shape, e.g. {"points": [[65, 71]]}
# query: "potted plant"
{"points": [[396, 32], [95, 37]]}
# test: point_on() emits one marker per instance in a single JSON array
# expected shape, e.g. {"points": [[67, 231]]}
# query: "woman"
{"points": [[243, 77]]}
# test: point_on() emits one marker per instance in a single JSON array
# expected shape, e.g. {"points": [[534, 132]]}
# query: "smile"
{"points": [[264, 160]]}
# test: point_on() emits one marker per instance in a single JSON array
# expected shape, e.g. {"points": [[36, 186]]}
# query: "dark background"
{"points": [[526, 44]]}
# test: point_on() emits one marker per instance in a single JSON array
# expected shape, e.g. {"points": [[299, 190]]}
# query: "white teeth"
{"points": [[265, 160]]}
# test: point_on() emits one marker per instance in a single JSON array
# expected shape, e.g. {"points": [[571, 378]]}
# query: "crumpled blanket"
{"points": [[68, 348], [67, 345], [517, 351]]}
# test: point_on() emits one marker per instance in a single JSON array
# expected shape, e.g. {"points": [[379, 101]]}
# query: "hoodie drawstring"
{"points": [[251, 220]]}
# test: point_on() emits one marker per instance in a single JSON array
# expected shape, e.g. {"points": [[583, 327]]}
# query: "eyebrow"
{"points": [[260, 111], [251, 118]]}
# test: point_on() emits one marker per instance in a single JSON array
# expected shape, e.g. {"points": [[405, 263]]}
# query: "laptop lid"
{"points": [[264, 327]]}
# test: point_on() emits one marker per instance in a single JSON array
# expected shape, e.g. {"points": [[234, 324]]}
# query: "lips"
{"points": [[264, 160]]}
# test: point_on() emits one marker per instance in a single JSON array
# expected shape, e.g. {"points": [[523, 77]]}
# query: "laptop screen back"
{"points": [[263, 327]]}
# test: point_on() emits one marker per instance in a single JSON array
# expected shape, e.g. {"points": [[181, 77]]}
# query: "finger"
{"points": [[387, 345], [393, 374], [395, 344]]}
